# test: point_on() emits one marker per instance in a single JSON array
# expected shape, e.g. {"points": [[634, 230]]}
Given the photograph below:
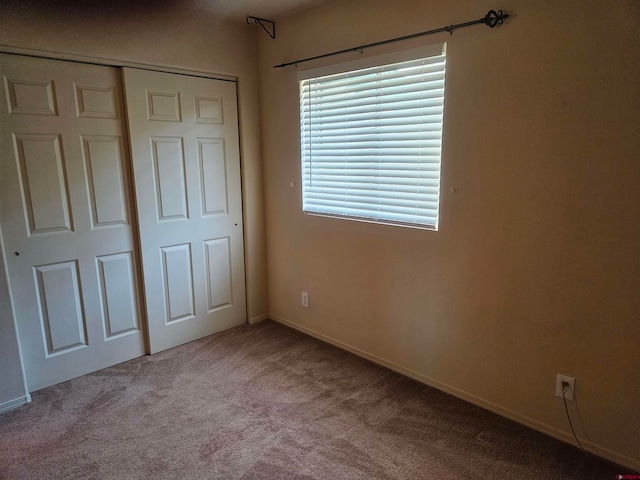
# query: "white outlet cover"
{"points": [[572, 386]]}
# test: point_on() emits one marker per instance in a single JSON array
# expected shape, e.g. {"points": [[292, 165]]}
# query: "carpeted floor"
{"points": [[267, 402]]}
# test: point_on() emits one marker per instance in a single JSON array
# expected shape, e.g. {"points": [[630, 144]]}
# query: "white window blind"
{"points": [[371, 139]]}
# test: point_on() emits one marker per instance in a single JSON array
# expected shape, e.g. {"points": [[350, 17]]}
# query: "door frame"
{"points": [[113, 62]]}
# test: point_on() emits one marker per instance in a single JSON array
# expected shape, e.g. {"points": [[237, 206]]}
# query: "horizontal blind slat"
{"points": [[392, 218], [383, 175], [386, 200], [425, 88], [382, 190], [328, 166], [369, 207]]}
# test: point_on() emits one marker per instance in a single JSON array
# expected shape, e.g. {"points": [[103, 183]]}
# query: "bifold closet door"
{"points": [[67, 219], [185, 150]]}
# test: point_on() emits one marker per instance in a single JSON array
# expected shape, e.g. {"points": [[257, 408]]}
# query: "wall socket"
{"points": [[569, 393], [305, 300]]}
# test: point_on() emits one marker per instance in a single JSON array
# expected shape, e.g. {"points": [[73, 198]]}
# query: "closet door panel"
{"points": [[67, 218], [185, 149]]}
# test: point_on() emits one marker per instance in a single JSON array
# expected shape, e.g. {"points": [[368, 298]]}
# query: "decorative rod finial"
{"points": [[493, 18]]}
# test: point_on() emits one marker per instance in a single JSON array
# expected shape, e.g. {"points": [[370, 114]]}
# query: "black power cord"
{"points": [[566, 409], [592, 459]]}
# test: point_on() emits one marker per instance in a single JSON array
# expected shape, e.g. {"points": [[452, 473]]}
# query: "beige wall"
{"points": [[162, 33], [536, 267]]}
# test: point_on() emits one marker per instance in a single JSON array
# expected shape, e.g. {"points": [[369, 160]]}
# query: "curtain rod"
{"points": [[492, 19]]}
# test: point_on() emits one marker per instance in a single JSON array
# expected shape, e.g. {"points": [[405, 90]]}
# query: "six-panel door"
{"points": [[67, 218], [185, 150]]}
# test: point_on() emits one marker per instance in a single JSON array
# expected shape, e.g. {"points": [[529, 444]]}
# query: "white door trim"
{"points": [[16, 403], [9, 298], [112, 62]]}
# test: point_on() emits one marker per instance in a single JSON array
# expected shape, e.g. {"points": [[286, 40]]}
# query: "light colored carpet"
{"points": [[267, 402]]}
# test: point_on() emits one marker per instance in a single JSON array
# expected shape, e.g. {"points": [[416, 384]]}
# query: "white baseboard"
{"points": [[17, 403], [623, 460], [258, 318]]}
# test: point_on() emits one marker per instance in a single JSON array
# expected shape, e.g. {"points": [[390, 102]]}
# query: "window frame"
{"points": [[434, 50]]}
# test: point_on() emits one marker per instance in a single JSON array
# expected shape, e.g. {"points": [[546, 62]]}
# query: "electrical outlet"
{"points": [[570, 389], [305, 299]]}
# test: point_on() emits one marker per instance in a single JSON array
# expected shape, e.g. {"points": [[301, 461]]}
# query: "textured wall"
{"points": [[162, 33], [536, 266]]}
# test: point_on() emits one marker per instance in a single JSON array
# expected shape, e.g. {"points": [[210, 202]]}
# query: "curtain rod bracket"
{"points": [[268, 26], [492, 19]]}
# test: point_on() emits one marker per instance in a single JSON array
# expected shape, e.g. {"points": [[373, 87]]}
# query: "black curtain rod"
{"points": [[492, 19]]}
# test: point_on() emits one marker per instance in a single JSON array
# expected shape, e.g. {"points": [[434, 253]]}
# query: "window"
{"points": [[371, 136]]}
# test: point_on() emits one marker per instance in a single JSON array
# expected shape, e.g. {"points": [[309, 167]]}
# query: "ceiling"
{"points": [[268, 9], [231, 9]]}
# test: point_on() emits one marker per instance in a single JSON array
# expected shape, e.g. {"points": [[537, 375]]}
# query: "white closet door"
{"points": [[185, 149], [67, 218]]}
